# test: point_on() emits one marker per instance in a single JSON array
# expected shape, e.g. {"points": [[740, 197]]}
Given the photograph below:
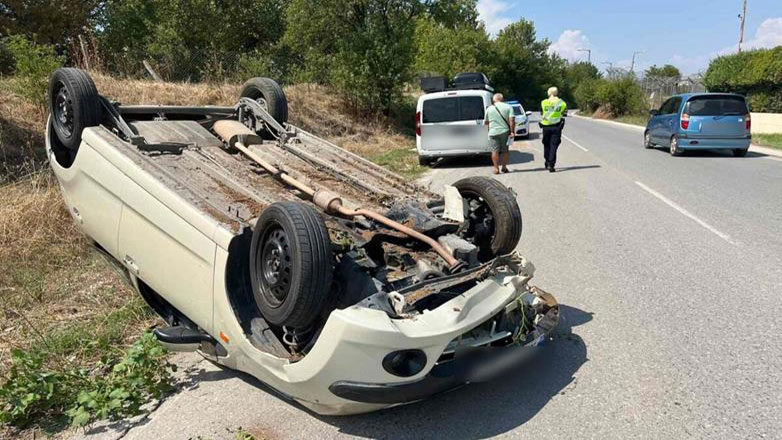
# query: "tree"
{"points": [[52, 22], [575, 75], [445, 50], [523, 69], [364, 48], [188, 39], [667, 72]]}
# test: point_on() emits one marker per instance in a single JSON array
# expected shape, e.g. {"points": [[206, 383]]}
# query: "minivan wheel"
{"points": [[74, 104], [648, 140], [493, 222], [291, 264], [740, 152], [674, 146]]}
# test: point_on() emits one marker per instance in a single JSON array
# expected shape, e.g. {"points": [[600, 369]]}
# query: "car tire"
{"points": [[648, 140], [269, 94], [740, 152], [74, 104], [494, 221], [673, 147], [291, 264]]}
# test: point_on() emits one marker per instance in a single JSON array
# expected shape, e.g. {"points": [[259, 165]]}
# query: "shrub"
{"points": [[33, 63], [755, 73], [586, 94], [114, 389], [621, 97]]}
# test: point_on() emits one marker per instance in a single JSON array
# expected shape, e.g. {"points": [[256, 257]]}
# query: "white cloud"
{"points": [[769, 34], [568, 43], [492, 13]]}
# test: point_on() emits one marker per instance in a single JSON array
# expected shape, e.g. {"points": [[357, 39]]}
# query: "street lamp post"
{"points": [[589, 54], [632, 63]]}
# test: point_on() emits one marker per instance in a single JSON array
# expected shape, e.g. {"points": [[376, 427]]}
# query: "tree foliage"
{"points": [[447, 50], [52, 22], [666, 72], [756, 73]]}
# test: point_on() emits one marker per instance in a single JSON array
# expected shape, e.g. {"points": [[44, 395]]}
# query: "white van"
{"points": [[450, 123]]}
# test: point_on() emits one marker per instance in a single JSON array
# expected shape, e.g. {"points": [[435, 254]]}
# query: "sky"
{"points": [[684, 33]]}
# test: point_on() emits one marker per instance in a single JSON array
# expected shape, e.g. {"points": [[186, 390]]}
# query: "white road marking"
{"points": [[686, 213], [574, 142]]}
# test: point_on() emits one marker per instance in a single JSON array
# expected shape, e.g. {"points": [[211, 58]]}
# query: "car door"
{"points": [[655, 124], [669, 122], [163, 249]]}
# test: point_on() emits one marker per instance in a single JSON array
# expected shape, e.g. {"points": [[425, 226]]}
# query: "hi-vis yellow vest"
{"points": [[552, 109]]}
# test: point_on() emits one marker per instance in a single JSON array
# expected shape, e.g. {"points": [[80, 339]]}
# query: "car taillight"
{"points": [[418, 123], [749, 121], [685, 121]]}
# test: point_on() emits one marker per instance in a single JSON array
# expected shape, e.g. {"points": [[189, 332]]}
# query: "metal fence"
{"points": [[659, 89]]}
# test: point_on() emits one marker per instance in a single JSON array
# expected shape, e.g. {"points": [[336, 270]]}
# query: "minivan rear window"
{"points": [[458, 108], [716, 106]]}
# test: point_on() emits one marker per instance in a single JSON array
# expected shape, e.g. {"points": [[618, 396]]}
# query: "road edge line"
{"points": [[574, 142]]}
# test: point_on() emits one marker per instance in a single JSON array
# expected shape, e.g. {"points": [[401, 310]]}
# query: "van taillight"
{"points": [[418, 123], [685, 121], [749, 121]]}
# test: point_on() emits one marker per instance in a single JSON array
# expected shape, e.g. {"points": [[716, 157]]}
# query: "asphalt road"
{"points": [[669, 270]]}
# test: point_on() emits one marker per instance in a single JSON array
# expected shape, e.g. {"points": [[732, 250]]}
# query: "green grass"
{"points": [[400, 160], [768, 140], [633, 119]]}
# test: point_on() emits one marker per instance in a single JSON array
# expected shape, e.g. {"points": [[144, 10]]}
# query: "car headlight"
{"points": [[404, 363]]}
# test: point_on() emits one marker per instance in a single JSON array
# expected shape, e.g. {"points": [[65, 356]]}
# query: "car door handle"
{"points": [[131, 265]]}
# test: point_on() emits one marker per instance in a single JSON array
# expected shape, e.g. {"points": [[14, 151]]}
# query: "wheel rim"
{"points": [[646, 139], [63, 110], [480, 227], [262, 101], [275, 266], [674, 145]]}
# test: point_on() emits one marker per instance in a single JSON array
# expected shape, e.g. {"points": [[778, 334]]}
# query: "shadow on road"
{"points": [[487, 409], [727, 154], [559, 169], [516, 157]]}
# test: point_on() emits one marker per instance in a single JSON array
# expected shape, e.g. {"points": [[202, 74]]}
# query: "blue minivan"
{"points": [[700, 121]]}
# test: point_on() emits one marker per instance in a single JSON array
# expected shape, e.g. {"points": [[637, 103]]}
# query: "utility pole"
{"points": [[610, 69], [589, 54], [743, 17], [632, 63]]}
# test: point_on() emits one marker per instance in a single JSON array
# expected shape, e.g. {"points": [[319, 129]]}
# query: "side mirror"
{"points": [[528, 113], [654, 112]]}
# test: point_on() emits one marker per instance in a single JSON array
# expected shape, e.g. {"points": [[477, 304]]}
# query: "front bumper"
{"points": [[477, 365]]}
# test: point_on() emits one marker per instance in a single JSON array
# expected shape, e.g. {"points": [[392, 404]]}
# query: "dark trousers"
{"points": [[552, 137]]}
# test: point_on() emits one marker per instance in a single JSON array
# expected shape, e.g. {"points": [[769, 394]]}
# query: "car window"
{"points": [[463, 108], [716, 106], [664, 108], [517, 110]]}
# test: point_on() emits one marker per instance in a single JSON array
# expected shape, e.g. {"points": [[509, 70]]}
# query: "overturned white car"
{"points": [[271, 251]]}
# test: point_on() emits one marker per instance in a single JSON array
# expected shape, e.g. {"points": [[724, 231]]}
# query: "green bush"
{"points": [[114, 389], [33, 64], [618, 97], [755, 73], [6, 59], [586, 95]]}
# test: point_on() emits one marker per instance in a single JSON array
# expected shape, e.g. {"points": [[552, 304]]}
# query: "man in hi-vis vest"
{"points": [[552, 123]]}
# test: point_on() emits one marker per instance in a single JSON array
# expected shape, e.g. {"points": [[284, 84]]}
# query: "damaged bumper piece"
{"points": [[366, 358]]}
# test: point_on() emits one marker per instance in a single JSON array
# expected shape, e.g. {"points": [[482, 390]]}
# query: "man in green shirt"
{"points": [[552, 123], [502, 125]]}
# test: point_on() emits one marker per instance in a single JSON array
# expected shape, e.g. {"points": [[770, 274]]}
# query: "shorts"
{"points": [[499, 143]]}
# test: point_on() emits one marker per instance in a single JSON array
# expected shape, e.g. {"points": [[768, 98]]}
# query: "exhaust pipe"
{"points": [[238, 136]]}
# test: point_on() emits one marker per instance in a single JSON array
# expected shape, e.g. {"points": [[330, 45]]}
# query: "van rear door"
{"points": [[717, 116], [454, 124]]}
